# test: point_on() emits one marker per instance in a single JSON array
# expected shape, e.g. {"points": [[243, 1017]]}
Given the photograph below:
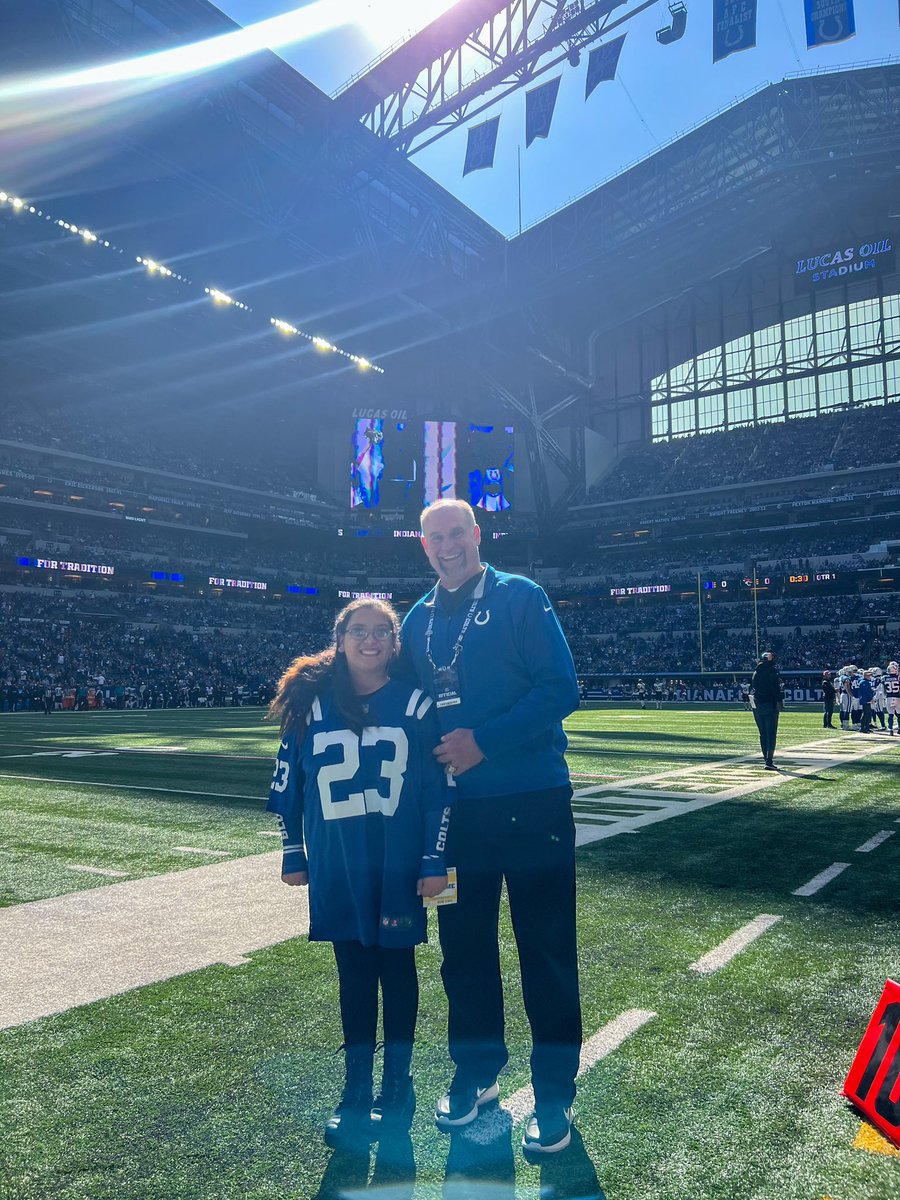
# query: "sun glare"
{"points": [[386, 21]]}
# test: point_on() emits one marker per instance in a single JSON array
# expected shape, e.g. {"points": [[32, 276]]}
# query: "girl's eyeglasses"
{"points": [[359, 633]]}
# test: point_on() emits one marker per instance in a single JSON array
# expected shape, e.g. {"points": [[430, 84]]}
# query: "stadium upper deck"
{"points": [[668, 300]]}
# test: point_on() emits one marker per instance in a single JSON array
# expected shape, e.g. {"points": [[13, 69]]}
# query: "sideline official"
{"points": [[488, 648], [768, 701], [828, 697]]}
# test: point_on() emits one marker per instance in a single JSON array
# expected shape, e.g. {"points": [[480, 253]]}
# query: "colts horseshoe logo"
{"points": [[483, 618]]}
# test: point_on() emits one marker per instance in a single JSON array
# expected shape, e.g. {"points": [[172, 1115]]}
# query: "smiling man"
{"points": [[488, 648]]}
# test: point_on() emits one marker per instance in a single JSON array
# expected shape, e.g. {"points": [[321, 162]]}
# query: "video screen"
{"points": [[487, 464], [384, 471], [410, 464]]}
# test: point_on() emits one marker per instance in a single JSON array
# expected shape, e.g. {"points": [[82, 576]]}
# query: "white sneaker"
{"points": [[548, 1132], [461, 1104]]}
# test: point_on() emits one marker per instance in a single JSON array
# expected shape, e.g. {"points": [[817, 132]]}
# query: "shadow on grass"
{"points": [[481, 1165], [761, 848]]}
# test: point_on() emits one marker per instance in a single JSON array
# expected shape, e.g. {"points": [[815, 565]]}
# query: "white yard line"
{"points": [[89, 945], [874, 842], [62, 748], [97, 871], [198, 850], [819, 881], [732, 946], [133, 787], [520, 1104]]}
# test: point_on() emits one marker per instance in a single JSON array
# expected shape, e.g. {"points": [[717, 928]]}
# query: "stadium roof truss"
{"points": [[471, 58]]}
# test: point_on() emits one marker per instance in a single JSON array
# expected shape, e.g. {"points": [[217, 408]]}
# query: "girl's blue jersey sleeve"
{"points": [[286, 802]]}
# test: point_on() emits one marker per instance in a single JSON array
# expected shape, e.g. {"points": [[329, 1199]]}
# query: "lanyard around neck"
{"points": [[457, 645]]}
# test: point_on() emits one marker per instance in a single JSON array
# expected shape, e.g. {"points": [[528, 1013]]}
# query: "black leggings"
{"points": [[360, 970]]}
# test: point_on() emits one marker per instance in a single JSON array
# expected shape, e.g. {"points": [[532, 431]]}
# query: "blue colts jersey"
{"points": [[366, 815]]}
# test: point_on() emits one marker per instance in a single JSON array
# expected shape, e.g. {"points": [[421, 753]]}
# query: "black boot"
{"points": [[395, 1103], [351, 1122]]}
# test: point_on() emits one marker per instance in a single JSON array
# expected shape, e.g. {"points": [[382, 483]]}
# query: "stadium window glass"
{"points": [[658, 388], [892, 379], [770, 402], [801, 395], [681, 378], [798, 343], [709, 369], [831, 336], [712, 412], [740, 406], [739, 360], [868, 384], [768, 351], [865, 328], [660, 421], [834, 390], [683, 417], [891, 306]]}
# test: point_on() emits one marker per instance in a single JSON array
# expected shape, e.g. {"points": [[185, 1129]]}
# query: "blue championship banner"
{"points": [[734, 27], [539, 105], [828, 21], [481, 145]]}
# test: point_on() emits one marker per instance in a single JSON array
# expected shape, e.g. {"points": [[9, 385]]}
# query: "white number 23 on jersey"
{"points": [[371, 800]]}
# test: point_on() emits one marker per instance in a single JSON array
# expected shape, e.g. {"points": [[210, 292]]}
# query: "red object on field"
{"points": [[873, 1084]]}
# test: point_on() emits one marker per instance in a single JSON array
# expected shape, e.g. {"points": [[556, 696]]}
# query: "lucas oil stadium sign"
{"points": [[835, 265]]}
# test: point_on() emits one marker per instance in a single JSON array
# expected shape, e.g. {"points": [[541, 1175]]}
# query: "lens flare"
{"points": [[166, 65]]}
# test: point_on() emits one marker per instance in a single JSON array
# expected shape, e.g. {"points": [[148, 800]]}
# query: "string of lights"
{"points": [[217, 296]]}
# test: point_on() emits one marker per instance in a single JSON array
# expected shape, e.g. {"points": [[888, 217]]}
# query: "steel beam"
{"points": [[469, 60]]}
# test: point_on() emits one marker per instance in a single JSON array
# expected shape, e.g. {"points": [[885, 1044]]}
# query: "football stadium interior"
{"points": [[244, 341]]}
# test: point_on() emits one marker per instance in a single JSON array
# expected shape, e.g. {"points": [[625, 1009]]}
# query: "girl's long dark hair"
{"points": [[310, 675]]}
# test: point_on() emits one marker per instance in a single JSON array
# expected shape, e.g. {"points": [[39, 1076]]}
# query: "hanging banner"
{"points": [[481, 145], [734, 27], [539, 105], [602, 64], [828, 21]]}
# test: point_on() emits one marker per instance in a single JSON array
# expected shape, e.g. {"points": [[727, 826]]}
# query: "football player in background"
{"points": [[828, 698], [879, 700], [856, 679], [892, 695], [845, 692], [865, 694], [362, 807]]}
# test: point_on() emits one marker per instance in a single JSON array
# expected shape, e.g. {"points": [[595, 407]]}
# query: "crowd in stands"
{"points": [[833, 442], [809, 633], [49, 645], [150, 651], [109, 441], [713, 554]]}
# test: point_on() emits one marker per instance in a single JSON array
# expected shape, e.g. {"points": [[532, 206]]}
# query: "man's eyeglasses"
{"points": [[359, 633]]}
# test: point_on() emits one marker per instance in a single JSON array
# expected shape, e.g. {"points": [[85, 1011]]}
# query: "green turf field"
{"points": [[213, 1085]]}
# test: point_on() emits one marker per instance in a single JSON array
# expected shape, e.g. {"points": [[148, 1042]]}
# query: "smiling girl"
{"points": [[362, 806]]}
